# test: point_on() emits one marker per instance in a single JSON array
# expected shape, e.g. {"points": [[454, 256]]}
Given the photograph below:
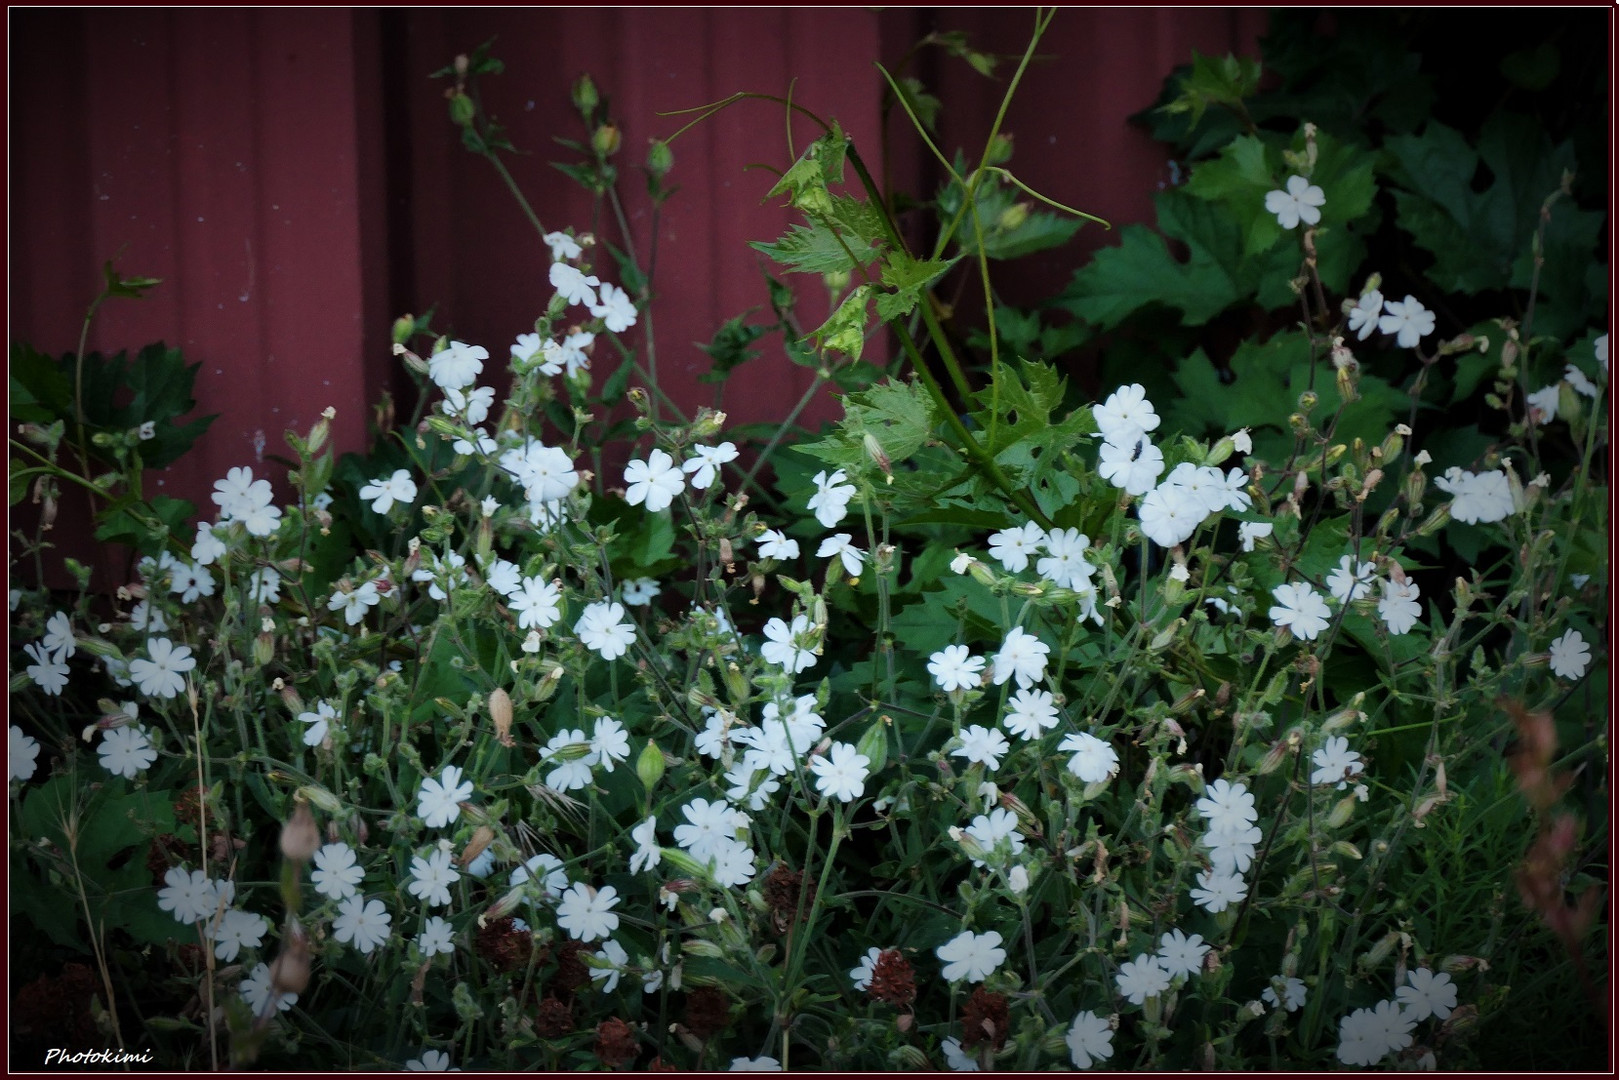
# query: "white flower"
{"points": [[1428, 995], [337, 874], [545, 472], [711, 824], [264, 585], [1023, 656], [1234, 486], [1065, 563], [1367, 1036], [125, 751], [481, 443], [616, 308], [655, 481], [1363, 317], [1227, 805], [841, 772], [957, 1058], [1399, 609], [49, 672], [472, 405], [239, 493], [1543, 403], [164, 674], [504, 577], [207, 548], [1181, 955], [603, 629], [385, 492], [1599, 348], [438, 801], [143, 616], [1570, 655], [1483, 497], [355, 603], [432, 877], [23, 754], [572, 285], [1142, 978], [1204, 483], [609, 742], [983, 746], [563, 247], [571, 773], [838, 546], [188, 895], [1216, 891], [191, 581], [971, 956], [1093, 759], [1299, 608], [1126, 415], [545, 870], [705, 463], [1249, 531], [586, 913], [455, 366], [616, 959], [1576, 378], [1014, 546], [1292, 996], [991, 828], [953, 668], [831, 499], [741, 778], [1030, 714], [758, 1064], [961, 563], [1350, 582], [782, 648], [1408, 319], [318, 722], [1089, 1039], [647, 852], [256, 992], [1335, 763], [1134, 466], [238, 930], [1231, 847], [537, 603], [431, 1061], [773, 544], [1301, 201], [868, 967], [1170, 515], [525, 349], [437, 936], [733, 864]]}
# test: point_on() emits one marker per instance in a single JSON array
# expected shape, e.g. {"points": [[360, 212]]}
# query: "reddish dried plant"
{"points": [[616, 1044], [708, 1011], [571, 972], [506, 947], [985, 1018], [555, 1018], [782, 888], [892, 979]]}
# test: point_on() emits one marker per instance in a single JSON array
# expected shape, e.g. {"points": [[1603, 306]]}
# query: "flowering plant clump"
{"points": [[1004, 730]]}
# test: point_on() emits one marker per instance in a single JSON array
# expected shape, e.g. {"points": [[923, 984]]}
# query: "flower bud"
{"points": [[289, 973], [1013, 216], [482, 837], [650, 766], [462, 109], [500, 711], [320, 797], [873, 745], [1308, 400], [659, 159], [300, 836], [606, 140], [585, 97]]}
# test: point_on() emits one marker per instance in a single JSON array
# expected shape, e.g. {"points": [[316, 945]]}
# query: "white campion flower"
{"points": [[471, 406], [355, 603], [264, 585], [239, 492], [23, 754], [1300, 608], [1126, 415], [614, 308], [615, 956], [547, 873], [838, 546], [47, 671], [1427, 995], [1298, 201], [148, 619], [991, 828], [456, 365], [538, 603], [841, 772], [609, 742], [1021, 656], [831, 499], [1030, 714], [526, 348], [337, 873], [1064, 563], [546, 473], [1217, 891], [782, 647], [1142, 978], [655, 481], [570, 354], [705, 463], [955, 668], [861, 975], [207, 548], [125, 751], [1170, 515], [639, 592], [1224, 804], [385, 491], [1089, 1039], [317, 723], [1093, 759], [164, 674], [237, 930], [1476, 497], [774, 544], [1569, 655], [982, 746], [1363, 317], [1543, 404], [431, 878], [1250, 531], [438, 802], [1576, 378], [1335, 763], [1181, 955], [256, 991], [1398, 608], [1407, 319], [480, 443], [647, 851], [1293, 993], [1203, 482], [363, 922], [571, 773], [573, 285], [708, 826], [1367, 1036], [970, 956], [191, 581], [563, 247], [603, 629], [438, 936], [1014, 546], [1132, 466], [431, 1061], [1351, 581], [587, 913]]}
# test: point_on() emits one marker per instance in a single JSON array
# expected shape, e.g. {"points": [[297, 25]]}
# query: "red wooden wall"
{"points": [[293, 177]]}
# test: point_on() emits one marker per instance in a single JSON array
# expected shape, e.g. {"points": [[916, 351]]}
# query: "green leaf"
{"points": [[845, 329], [907, 276], [1222, 80], [817, 249], [730, 348]]}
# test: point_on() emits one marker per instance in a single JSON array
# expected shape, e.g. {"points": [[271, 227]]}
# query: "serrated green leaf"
{"points": [[730, 347], [817, 249]]}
